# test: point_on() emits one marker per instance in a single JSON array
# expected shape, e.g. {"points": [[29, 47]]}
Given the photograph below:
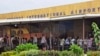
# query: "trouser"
{"points": [[40, 46], [61, 48], [1, 49], [67, 46]]}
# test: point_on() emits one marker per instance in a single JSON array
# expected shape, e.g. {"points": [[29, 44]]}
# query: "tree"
{"points": [[96, 32]]}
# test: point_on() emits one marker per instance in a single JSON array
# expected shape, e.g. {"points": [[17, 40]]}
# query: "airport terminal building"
{"points": [[71, 20]]}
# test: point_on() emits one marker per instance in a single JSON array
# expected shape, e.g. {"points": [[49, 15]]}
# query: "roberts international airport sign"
{"points": [[88, 7], [85, 10]]}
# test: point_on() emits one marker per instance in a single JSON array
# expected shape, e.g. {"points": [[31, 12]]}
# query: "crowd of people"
{"points": [[55, 43], [86, 44]]}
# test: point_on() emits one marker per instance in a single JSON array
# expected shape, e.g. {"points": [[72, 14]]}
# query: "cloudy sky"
{"points": [[7, 6]]}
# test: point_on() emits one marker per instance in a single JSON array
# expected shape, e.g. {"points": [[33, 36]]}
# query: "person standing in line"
{"points": [[55, 43], [85, 44], [80, 42], [62, 41], [43, 40], [72, 40], [15, 42], [11, 42], [24, 40], [48, 42], [94, 46], [6, 40], [89, 45], [35, 39], [67, 43], [30, 40], [39, 42], [1, 45]]}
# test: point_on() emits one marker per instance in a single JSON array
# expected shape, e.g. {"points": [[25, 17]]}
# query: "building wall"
{"points": [[90, 7], [78, 28], [68, 27]]}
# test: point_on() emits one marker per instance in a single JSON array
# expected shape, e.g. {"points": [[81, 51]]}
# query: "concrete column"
{"points": [[83, 28]]}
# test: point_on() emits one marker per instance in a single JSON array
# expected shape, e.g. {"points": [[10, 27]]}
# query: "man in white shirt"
{"points": [[67, 43], [11, 41], [43, 40], [62, 42], [79, 42], [1, 44], [1, 41], [72, 41], [89, 45], [35, 39]]}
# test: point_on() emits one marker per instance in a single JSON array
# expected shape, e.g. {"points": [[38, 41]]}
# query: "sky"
{"points": [[8, 6]]}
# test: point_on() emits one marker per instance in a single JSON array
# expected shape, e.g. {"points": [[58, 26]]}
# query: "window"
{"points": [[22, 17], [60, 13], [84, 11], [53, 14], [38, 16], [41, 15], [57, 14], [44, 15], [27, 16], [64, 14], [80, 11], [35, 16], [93, 9], [47, 14]]}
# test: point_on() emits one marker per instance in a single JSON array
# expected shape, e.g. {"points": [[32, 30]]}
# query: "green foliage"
{"points": [[93, 53], [46, 53], [53, 53], [7, 48], [49, 53], [23, 53], [77, 50], [96, 32], [26, 47], [95, 26], [32, 53], [42, 53], [67, 53], [8, 53]]}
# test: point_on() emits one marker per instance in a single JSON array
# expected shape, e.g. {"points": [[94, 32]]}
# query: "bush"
{"points": [[53, 53], [23, 53], [7, 48], [77, 50], [56, 53], [8, 53], [42, 53], [32, 53], [26, 47], [93, 53], [67, 53]]}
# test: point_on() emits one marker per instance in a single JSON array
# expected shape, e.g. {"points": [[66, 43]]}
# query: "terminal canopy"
{"points": [[84, 16], [23, 20]]}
